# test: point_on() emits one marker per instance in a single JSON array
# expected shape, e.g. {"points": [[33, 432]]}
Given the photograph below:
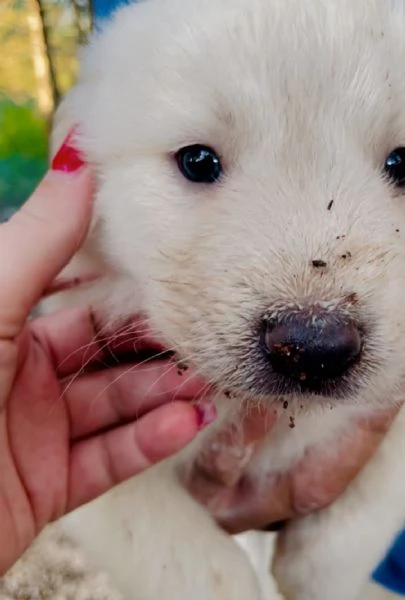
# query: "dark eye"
{"points": [[395, 166], [199, 164]]}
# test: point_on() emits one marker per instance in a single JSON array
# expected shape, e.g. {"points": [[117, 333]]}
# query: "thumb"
{"points": [[39, 241]]}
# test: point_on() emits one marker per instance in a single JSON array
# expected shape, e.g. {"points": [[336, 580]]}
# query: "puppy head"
{"points": [[249, 193]]}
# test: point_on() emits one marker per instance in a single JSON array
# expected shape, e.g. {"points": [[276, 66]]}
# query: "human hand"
{"points": [[66, 437], [220, 480]]}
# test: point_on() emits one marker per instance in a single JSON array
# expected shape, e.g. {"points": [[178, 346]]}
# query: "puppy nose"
{"points": [[312, 347]]}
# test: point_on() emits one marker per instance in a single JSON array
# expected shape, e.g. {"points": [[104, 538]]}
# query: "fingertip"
{"points": [[60, 188], [167, 430], [41, 238], [182, 386], [100, 462], [57, 214]]}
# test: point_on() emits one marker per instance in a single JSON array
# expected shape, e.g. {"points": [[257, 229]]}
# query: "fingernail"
{"points": [[67, 159], [206, 414]]}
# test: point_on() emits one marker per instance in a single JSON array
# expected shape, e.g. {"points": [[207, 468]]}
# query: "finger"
{"points": [[70, 339], [258, 423], [380, 421], [321, 477], [226, 456], [74, 341], [317, 481], [38, 241], [117, 395], [99, 463], [249, 506]]}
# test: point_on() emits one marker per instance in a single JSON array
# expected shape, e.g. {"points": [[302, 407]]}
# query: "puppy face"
{"points": [[248, 191]]}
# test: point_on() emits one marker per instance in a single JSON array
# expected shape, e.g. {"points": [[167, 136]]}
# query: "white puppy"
{"points": [[250, 202]]}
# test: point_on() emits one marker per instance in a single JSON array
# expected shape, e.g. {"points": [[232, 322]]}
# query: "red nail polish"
{"points": [[206, 414], [67, 159]]}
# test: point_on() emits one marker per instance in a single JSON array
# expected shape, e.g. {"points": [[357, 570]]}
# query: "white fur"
{"points": [[303, 101]]}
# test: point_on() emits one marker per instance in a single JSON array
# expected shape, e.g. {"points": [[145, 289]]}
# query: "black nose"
{"points": [[312, 346]]}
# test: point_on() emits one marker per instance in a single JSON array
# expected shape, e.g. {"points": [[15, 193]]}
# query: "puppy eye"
{"points": [[199, 164], [394, 166]]}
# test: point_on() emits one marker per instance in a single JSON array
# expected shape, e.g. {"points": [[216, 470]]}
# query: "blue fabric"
{"points": [[391, 572], [103, 9]]}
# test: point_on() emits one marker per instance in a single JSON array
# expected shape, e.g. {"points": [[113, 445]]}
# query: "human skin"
{"points": [[59, 450]]}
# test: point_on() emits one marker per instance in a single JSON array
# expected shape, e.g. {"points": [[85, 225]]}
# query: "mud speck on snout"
{"points": [[181, 367], [352, 298], [318, 264], [284, 349], [292, 423]]}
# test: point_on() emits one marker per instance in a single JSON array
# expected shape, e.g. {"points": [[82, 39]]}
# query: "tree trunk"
{"points": [[48, 93], [81, 34]]}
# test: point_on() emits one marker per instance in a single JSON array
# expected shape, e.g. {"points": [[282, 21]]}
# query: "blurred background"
{"points": [[39, 42]]}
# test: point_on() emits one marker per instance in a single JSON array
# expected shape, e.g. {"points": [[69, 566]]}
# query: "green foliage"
{"points": [[23, 153], [23, 128]]}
